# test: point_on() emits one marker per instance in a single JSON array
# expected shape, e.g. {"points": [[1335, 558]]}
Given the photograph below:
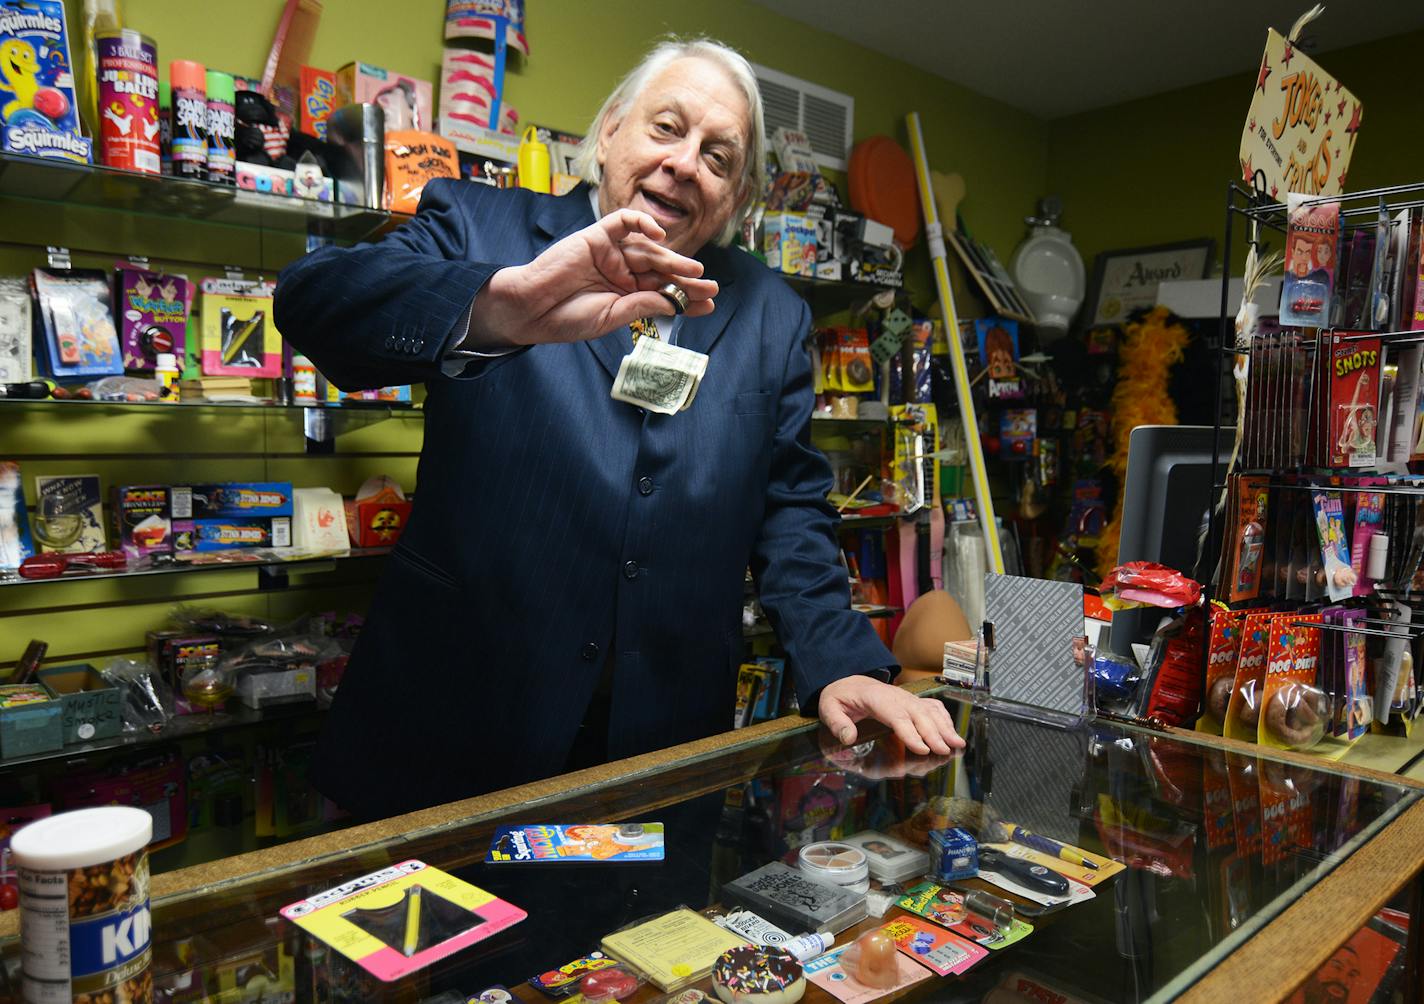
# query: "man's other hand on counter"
{"points": [[922, 723]]}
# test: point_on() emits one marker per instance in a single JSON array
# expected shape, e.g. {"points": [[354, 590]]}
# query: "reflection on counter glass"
{"points": [[1161, 856]]}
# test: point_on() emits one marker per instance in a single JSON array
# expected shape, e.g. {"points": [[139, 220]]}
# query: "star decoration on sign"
{"points": [[1354, 125], [1340, 108], [1274, 190], [1285, 60], [1251, 126], [1327, 118], [1265, 72], [1337, 153], [1342, 181], [1246, 172]]}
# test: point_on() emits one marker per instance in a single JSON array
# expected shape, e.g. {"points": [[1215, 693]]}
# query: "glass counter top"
{"points": [[1215, 843]]}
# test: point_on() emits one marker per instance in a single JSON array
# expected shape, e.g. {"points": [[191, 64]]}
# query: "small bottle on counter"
{"points": [[166, 372]]}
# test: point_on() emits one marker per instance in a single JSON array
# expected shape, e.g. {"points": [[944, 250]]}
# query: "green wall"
{"points": [[1156, 169], [580, 49]]}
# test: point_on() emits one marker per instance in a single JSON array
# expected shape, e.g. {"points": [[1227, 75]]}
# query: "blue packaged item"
{"points": [[954, 854], [1115, 678], [233, 499], [76, 316], [38, 116], [228, 533]]}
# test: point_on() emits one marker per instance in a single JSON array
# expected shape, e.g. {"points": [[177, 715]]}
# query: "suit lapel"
{"points": [[701, 333]]}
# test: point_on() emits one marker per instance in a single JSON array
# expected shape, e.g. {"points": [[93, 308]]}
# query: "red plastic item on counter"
{"points": [[608, 985], [52, 566], [1144, 583]]}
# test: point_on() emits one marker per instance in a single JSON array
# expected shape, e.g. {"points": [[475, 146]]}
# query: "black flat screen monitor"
{"points": [[1166, 497]]}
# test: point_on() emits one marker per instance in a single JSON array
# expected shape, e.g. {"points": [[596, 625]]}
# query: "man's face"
{"points": [[678, 153], [1333, 981]]}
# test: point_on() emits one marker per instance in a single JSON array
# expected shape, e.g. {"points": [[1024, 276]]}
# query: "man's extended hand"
{"points": [[922, 723], [588, 284]]}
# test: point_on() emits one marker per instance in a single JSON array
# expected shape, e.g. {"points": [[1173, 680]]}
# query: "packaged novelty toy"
{"points": [[1334, 548], [1355, 365], [1295, 710], [1313, 229], [405, 100], [37, 112], [15, 327], [79, 330], [412, 159], [152, 311], [999, 355], [1243, 710], [577, 843], [1223, 650], [317, 100], [484, 18], [239, 336]]}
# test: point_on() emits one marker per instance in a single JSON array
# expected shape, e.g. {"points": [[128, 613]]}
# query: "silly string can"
{"points": [[188, 83], [222, 128], [128, 101], [84, 919]]}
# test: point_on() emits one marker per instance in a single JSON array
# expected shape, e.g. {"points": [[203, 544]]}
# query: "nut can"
{"points": [[85, 933]]}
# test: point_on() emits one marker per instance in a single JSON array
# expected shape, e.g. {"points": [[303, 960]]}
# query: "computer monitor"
{"points": [[1167, 496]]}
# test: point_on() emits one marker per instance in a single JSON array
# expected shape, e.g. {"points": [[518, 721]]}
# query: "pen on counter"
{"points": [[1048, 845], [412, 921]]}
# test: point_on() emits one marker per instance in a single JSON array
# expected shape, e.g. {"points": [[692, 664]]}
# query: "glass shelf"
{"points": [[126, 191], [832, 293], [293, 562], [236, 718]]}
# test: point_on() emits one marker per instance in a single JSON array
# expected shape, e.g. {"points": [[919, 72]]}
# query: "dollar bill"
{"points": [[660, 377]]}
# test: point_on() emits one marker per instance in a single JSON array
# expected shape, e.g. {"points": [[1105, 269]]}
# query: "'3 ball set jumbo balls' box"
{"points": [[37, 111]]}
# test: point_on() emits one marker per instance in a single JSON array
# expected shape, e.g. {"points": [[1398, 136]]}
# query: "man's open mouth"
{"points": [[668, 206]]}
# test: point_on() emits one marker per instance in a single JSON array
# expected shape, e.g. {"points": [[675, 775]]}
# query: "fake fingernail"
{"points": [[847, 734]]}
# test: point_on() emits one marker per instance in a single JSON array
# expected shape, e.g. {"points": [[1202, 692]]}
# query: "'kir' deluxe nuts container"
{"points": [[84, 920]]}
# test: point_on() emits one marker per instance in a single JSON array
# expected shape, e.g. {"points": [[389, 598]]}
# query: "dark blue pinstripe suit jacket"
{"points": [[535, 547]]}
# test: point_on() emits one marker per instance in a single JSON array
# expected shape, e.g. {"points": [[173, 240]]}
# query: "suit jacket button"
{"points": [[645, 486], [419, 344], [589, 652], [390, 342], [630, 570]]}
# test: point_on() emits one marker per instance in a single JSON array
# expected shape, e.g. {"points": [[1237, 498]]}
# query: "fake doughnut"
{"points": [[1250, 712], [1296, 715], [1218, 698], [758, 975]]}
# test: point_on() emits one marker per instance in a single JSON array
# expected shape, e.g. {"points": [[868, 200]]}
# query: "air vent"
{"points": [[827, 117]]}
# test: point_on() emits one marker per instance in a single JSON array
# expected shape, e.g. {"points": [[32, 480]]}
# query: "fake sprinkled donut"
{"points": [[1218, 698], [759, 975], [1295, 715]]}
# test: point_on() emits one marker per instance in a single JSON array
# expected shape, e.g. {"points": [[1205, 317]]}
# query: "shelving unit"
{"points": [[235, 719], [1259, 212]]}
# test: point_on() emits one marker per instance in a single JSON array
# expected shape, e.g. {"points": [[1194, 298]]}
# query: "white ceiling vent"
{"points": [[827, 117]]}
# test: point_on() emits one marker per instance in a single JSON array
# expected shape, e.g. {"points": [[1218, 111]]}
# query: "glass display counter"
{"points": [[1244, 873]]}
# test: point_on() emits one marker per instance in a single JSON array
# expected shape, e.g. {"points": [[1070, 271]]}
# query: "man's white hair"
{"points": [[657, 60]]}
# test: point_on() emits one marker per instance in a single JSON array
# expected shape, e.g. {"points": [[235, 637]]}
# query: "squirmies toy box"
{"points": [[586, 843], [37, 113]]}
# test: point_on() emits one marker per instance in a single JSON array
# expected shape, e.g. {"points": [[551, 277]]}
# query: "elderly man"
{"points": [[569, 587]]}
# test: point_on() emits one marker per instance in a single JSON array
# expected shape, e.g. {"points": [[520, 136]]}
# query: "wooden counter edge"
{"points": [[1280, 957]]}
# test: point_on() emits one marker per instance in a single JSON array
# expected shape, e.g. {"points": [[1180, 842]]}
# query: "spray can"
{"points": [[190, 118], [165, 127], [128, 101], [222, 128]]}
